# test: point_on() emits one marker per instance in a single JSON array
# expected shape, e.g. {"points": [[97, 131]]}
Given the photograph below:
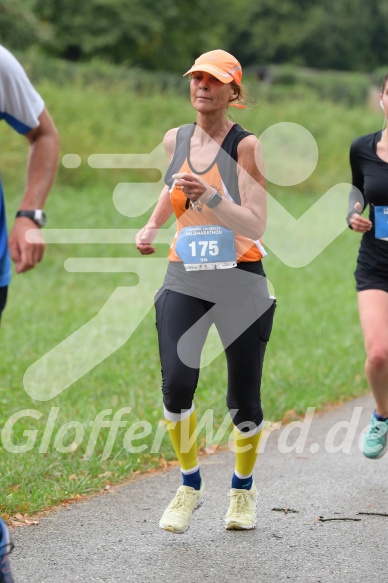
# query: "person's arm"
{"points": [[357, 201], [41, 171], [250, 218], [160, 215], [163, 209]]}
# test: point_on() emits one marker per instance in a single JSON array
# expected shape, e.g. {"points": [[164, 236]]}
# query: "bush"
{"points": [[339, 87], [98, 72]]}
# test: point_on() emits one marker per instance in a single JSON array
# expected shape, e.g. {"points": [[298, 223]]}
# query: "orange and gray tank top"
{"points": [[220, 174]]}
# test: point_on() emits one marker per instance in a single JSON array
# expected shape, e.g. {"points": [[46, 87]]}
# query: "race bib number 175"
{"points": [[206, 247]]}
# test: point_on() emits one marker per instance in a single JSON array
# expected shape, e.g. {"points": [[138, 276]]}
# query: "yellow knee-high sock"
{"points": [[181, 429], [246, 451]]}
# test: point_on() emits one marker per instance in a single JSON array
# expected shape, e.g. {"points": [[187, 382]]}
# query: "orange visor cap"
{"points": [[222, 65]]}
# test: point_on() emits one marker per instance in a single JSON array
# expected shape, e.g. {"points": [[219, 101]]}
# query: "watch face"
{"points": [[40, 218], [215, 199]]}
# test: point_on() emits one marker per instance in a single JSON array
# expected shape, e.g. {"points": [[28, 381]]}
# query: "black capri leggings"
{"points": [[237, 302]]}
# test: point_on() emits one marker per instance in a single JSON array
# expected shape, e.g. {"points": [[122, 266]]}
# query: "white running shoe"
{"points": [[241, 514], [177, 516]]}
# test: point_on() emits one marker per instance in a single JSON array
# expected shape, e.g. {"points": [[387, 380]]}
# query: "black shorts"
{"points": [[3, 298], [237, 302], [372, 264], [366, 280]]}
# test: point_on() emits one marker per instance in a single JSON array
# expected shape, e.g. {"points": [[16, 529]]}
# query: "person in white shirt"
{"points": [[24, 110]]}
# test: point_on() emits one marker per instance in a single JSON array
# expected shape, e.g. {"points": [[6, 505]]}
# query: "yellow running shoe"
{"points": [[176, 518], [242, 509]]}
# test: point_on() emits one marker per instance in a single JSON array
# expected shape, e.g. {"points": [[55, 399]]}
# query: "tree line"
{"points": [[168, 34]]}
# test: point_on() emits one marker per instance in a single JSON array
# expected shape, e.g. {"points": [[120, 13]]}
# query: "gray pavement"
{"points": [[115, 537]]}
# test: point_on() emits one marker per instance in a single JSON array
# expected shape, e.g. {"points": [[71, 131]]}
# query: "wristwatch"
{"points": [[214, 200], [37, 215]]}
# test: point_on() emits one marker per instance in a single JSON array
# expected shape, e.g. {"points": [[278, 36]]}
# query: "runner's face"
{"points": [[208, 94]]}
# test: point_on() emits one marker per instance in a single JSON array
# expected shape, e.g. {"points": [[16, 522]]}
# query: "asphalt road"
{"points": [[309, 528]]}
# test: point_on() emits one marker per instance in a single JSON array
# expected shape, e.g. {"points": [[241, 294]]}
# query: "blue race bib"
{"points": [[206, 247], [381, 222]]}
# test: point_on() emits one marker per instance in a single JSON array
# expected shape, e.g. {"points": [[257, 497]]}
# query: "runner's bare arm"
{"points": [[163, 209]]}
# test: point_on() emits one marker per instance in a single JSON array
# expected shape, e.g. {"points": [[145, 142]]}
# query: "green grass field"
{"points": [[315, 356]]}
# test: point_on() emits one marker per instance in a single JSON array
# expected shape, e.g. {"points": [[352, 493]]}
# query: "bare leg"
{"points": [[373, 309]]}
